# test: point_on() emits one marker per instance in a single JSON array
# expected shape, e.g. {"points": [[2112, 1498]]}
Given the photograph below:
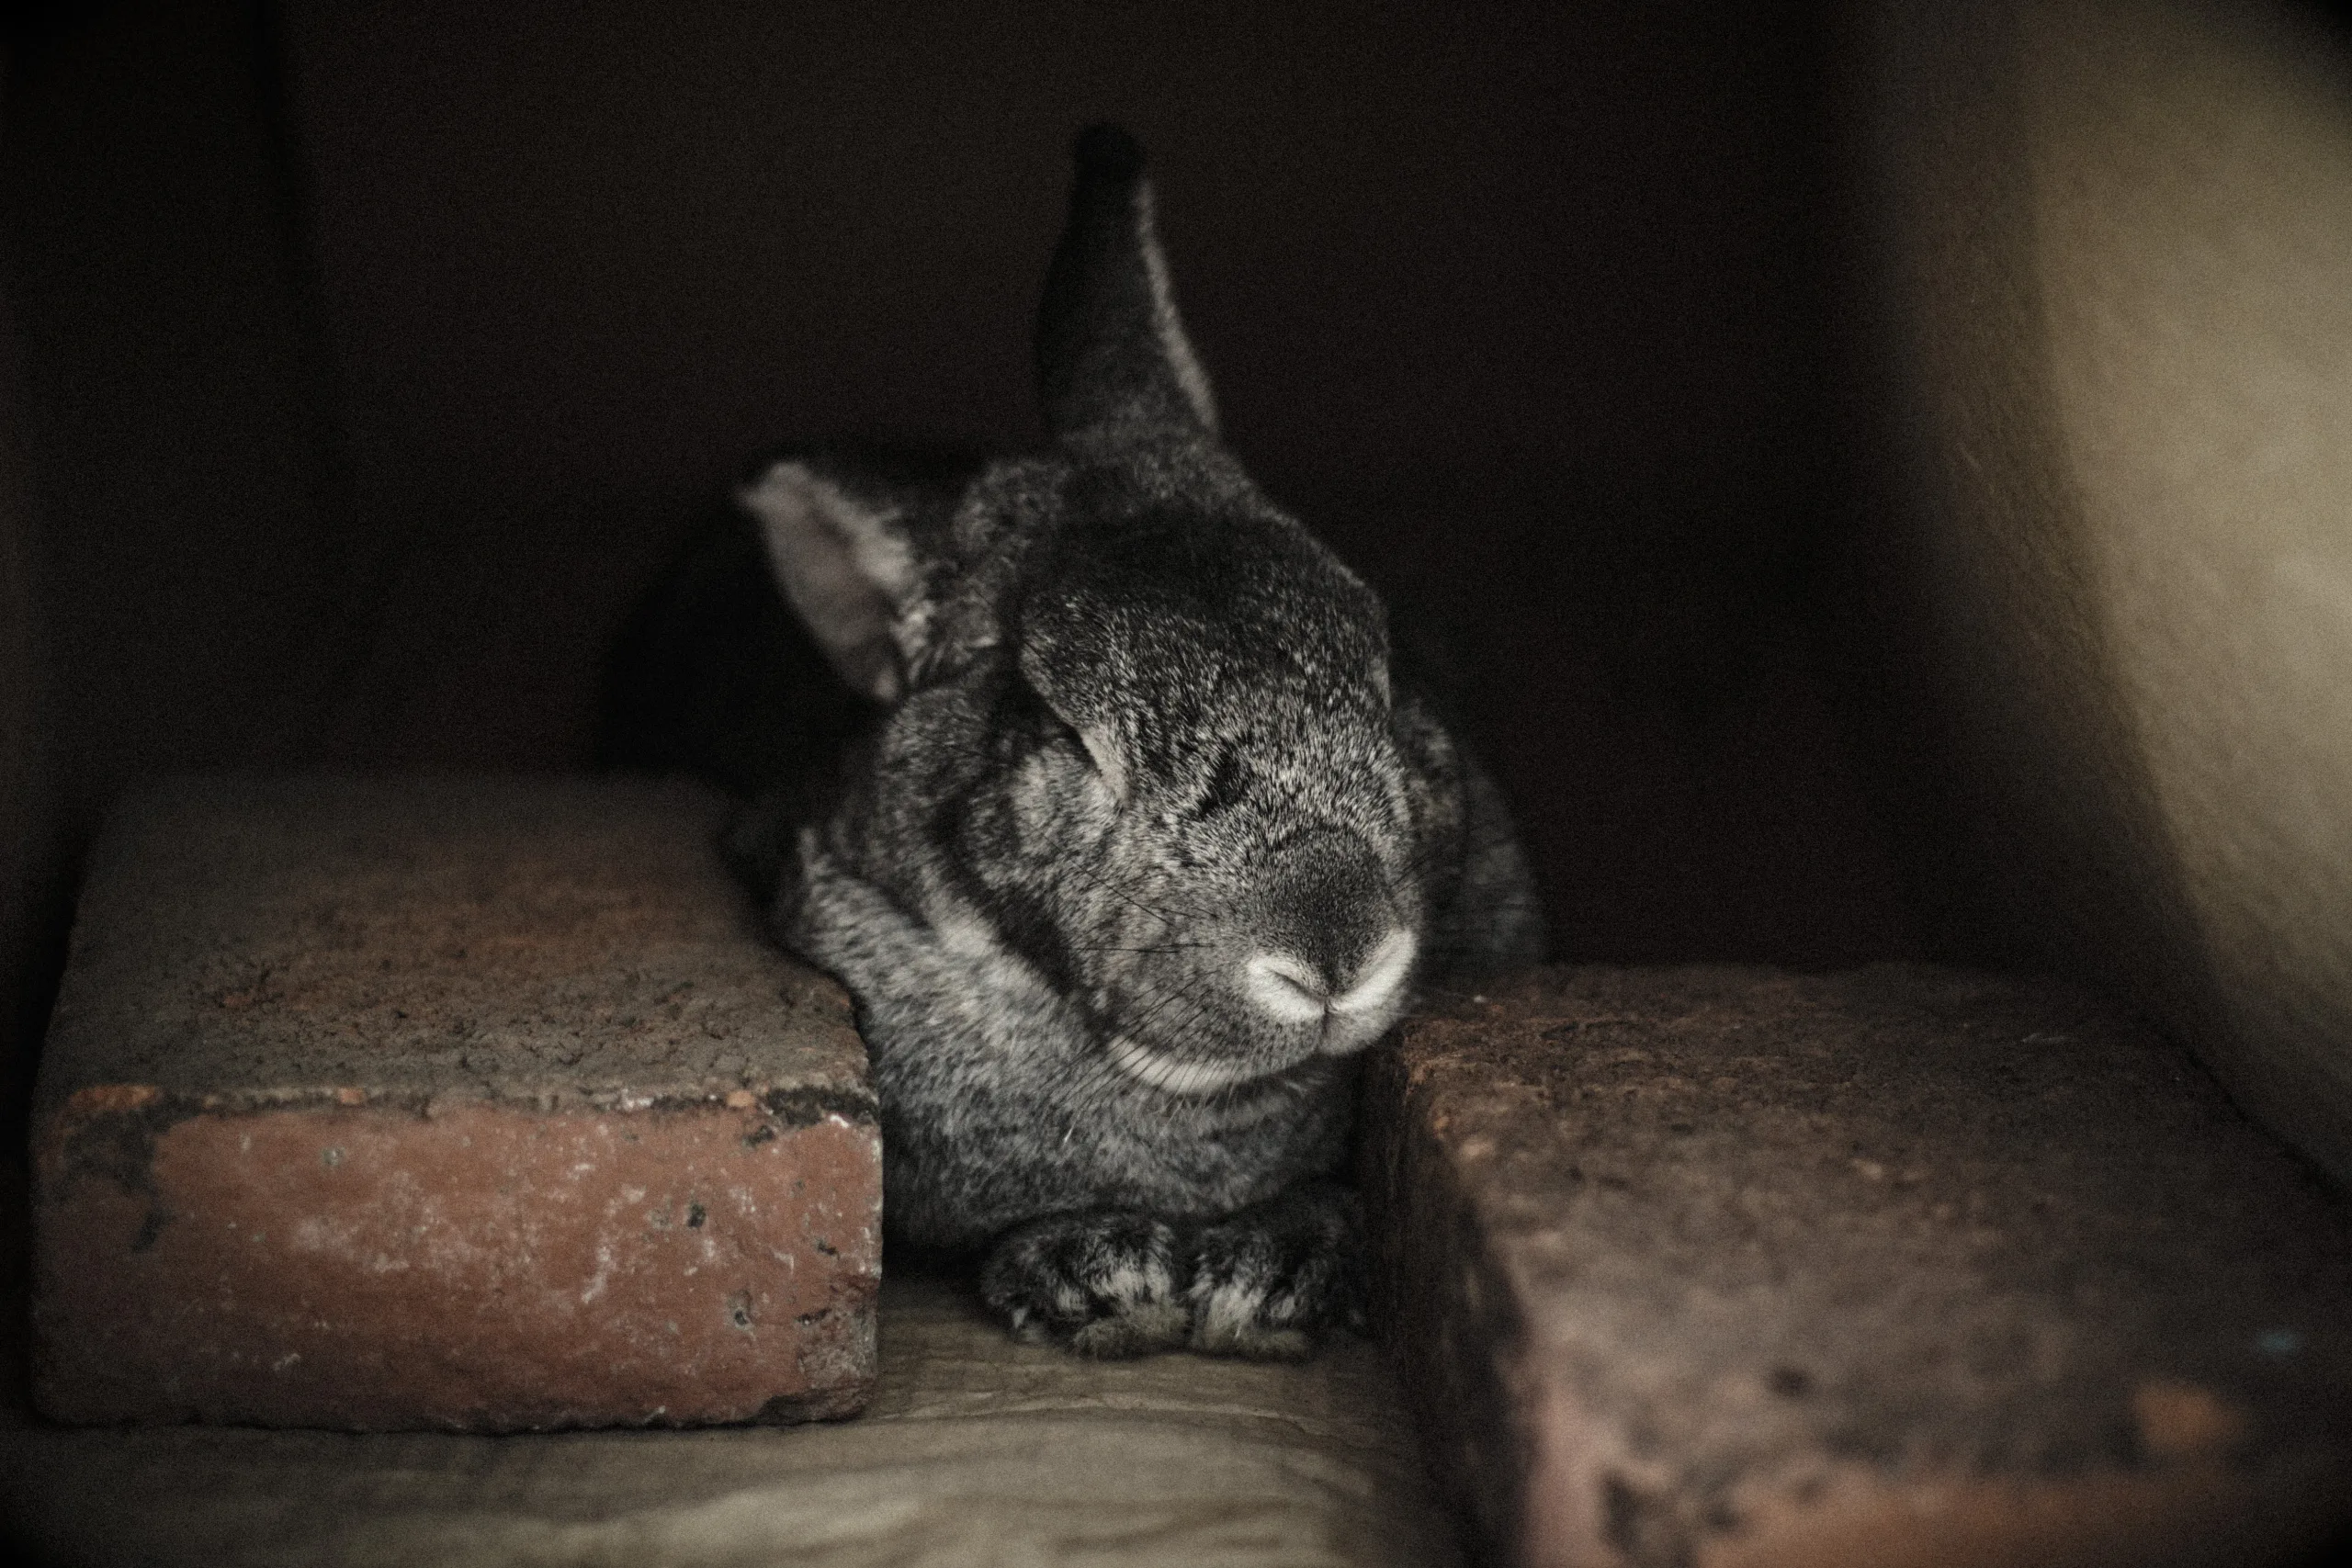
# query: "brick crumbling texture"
{"points": [[1715, 1266], [474, 1104]]}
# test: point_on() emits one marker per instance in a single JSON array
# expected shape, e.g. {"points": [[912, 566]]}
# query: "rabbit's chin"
{"points": [[1194, 1076]]}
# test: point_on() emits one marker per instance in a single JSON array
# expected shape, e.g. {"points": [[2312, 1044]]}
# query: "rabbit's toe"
{"points": [[1105, 1282], [1137, 1331], [1235, 1319], [1271, 1281]]}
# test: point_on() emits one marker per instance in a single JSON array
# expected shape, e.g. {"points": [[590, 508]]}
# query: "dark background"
{"points": [[364, 361]]}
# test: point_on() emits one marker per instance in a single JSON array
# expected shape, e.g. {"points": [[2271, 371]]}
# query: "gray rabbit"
{"points": [[1108, 813]]}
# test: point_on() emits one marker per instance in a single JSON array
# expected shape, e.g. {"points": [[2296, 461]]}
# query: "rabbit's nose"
{"points": [[1299, 992]]}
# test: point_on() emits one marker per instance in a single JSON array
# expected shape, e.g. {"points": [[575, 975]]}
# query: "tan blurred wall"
{"points": [[2115, 255]]}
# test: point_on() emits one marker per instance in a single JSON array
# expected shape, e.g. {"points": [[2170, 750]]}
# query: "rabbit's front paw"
{"points": [[1106, 1282], [1269, 1281]]}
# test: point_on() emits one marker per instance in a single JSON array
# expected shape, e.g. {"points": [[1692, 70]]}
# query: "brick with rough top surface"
{"points": [[468, 1103], [1696, 1268]]}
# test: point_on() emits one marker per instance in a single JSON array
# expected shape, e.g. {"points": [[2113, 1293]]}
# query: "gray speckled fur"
{"points": [[1139, 730]]}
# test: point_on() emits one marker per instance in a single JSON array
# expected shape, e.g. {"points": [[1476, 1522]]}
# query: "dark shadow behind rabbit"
{"points": [[1086, 773]]}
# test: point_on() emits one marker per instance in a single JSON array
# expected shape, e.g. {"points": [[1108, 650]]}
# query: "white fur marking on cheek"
{"points": [[1033, 796], [1165, 324], [965, 935], [1376, 982]]}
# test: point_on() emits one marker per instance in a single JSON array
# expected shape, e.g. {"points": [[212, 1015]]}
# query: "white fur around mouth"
{"points": [[1173, 1076], [1287, 989], [1382, 973]]}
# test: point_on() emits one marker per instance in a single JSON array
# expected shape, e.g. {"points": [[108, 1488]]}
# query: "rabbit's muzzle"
{"points": [[1291, 991], [1313, 956], [1333, 946]]}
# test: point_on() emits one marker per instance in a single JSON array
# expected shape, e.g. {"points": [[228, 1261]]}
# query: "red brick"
{"points": [[474, 1105], [1712, 1267]]}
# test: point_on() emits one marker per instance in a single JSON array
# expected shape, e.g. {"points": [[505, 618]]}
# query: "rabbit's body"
{"points": [[1140, 845]]}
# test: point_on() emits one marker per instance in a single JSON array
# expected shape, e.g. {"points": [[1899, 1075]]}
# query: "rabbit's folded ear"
{"points": [[844, 556], [1111, 355]]}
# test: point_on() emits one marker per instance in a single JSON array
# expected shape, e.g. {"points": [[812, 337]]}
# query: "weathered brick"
{"points": [[474, 1103], [1906, 1266]]}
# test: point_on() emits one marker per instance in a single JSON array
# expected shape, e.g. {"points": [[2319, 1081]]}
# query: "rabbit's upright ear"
{"points": [[842, 551], [1111, 355]]}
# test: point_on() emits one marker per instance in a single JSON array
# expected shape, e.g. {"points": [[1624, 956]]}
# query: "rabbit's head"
{"points": [[1139, 733]]}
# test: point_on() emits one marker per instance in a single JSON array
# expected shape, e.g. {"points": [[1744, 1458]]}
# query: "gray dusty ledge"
{"points": [[976, 1452]]}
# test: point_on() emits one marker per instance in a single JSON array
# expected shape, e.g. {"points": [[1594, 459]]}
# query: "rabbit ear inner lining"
{"points": [[843, 567]]}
